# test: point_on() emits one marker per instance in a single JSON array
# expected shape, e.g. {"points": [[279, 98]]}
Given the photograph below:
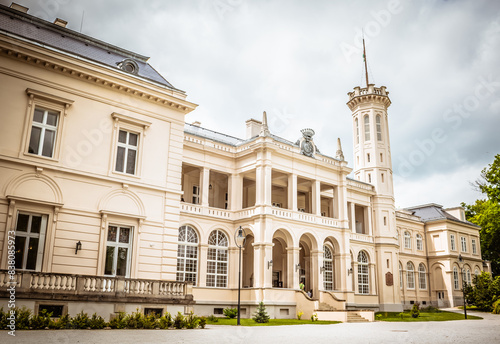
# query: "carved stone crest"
{"points": [[306, 144], [389, 279]]}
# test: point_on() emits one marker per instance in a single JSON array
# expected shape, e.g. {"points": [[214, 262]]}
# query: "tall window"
{"points": [[118, 250], [407, 237], [476, 272], [422, 276], [420, 243], [469, 279], [217, 259], [328, 265], [30, 237], [452, 241], [463, 242], [367, 128], [455, 278], [474, 247], [363, 274], [400, 275], [126, 153], [379, 128], [187, 255], [43, 132], [196, 194], [357, 130], [410, 275]]}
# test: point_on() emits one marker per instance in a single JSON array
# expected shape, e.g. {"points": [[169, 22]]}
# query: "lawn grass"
{"points": [[424, 316], [272, 322]]}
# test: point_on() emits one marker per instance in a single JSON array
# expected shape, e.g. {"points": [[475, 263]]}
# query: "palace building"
{"points": [[114, 203]]}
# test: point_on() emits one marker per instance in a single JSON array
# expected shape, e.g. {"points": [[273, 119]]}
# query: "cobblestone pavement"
{"points": [[472, 331]]}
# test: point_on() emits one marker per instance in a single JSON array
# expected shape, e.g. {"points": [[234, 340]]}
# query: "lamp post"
{"points": [[239, 238], [460, 263]]}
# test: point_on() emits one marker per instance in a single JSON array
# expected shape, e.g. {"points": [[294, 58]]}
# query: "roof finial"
{"points": [[339, 155], [364, 59], [264, 129]]}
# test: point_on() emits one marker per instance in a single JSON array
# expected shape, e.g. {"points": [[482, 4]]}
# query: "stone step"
{"points": [[355, 317]]}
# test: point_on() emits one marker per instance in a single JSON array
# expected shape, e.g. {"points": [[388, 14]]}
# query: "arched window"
{"points": [[356, 122], [217, 259], [407, 239], [379, 128], [469, 280], [477, 272], [410, 275], [367, 128], [420, 243], [328, 268], [455, 278], [422, 277], [363, 274], [400, 275], [187, 255]]}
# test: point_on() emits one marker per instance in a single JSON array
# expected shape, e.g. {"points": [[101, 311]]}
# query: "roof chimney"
{"points": [[253, 128], [19, 8], [60, 22], [196, 123]]}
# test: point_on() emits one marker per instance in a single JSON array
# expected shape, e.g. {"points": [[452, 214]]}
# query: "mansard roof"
{"points": [[47, 34], [433, 212]]}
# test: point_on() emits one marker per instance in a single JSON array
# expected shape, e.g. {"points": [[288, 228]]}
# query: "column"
{"points": [[259, 185], [369, 225], [293, 260], [235, 191], [353, 217], [268, 273], [257, 265], [292, 192], [373, 281], [355, 277], [202, 273], [316, 198], [317, 276], [233, 259], [268, 189], [204, 185]]}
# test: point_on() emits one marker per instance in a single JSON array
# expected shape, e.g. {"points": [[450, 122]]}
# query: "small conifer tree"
{"points": [[261, 315]]}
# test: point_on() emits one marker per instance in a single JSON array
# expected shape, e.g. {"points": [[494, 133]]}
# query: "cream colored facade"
{"points": [[95, 151]]}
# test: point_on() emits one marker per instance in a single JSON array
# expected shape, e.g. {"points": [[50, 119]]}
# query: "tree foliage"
{"points": [[486, 213], [484, 292], [261, 315]]}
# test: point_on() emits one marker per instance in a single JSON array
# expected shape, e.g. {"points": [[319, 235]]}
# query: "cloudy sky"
{"points": [[298, 59]]}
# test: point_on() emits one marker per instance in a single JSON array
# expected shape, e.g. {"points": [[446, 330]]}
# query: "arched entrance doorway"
{"points": [[280, 265]]}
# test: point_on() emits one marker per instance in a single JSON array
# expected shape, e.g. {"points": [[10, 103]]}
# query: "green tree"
{"points": [[484, 292], [486, 213], [261, 315]]}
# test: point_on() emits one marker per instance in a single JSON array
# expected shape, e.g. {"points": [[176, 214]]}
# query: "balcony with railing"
{"points": [[69, 287]]}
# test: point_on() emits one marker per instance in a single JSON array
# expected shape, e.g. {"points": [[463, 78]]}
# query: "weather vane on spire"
{"points": [[364, 59]]}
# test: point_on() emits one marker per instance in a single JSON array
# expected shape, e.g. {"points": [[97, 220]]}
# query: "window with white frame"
{"points": [[118, 251], [187, 255], [469, 277], [363, 274], [407, 238], [455, 278], [217, 259], [126, 152], [474, 247], [420, 242], [452, 241], [196, 194], [379, 128], [477, 272], [410, 276], [422, 276], [43, 132], [328, 268], [367, 128], [29, 241], [400, 275], [463, 243], [357, 130]]}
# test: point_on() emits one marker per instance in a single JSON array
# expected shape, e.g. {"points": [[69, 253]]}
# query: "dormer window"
{"points": [[129, 66]]}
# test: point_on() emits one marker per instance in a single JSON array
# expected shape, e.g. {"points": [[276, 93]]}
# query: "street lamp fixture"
{"points": [[461, 264], [239, 238]]}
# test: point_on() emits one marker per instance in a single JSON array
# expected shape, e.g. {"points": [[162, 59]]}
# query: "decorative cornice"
{"points": [[17, 52]]}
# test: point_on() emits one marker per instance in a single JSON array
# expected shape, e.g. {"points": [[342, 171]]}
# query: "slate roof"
{"points": [[214, 135], [433, 212], [51, 35]]}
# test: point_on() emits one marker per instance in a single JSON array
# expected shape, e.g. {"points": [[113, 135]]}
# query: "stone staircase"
{"points": [[354, 317], [323, 306]]}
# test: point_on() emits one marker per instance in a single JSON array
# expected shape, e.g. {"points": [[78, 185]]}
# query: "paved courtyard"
{"points": [[472, 331]]}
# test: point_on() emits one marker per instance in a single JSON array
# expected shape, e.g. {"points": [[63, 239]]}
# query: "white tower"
{"points": [[372, 164]]}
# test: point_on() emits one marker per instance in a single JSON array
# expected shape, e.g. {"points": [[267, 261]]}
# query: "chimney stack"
{"points": [[60, 22], [19, 8]]}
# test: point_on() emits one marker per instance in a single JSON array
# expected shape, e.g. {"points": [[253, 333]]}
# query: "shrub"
{"points": [[40, 321], [22, 318], [63, 322], [165, 321], [430, 309], [179, 321], [3, 319], [230, 313], [212, 318], [97, 322], [203, 322], [192, 321], [261, 315], [314, 317], [119, 321], [484, 292], [496, 307], [80, 321], [415, 312], [300, 314], [134, 320]]}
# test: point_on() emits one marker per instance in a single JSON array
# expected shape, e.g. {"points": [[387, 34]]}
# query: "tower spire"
{"points": [[364, 59]]}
